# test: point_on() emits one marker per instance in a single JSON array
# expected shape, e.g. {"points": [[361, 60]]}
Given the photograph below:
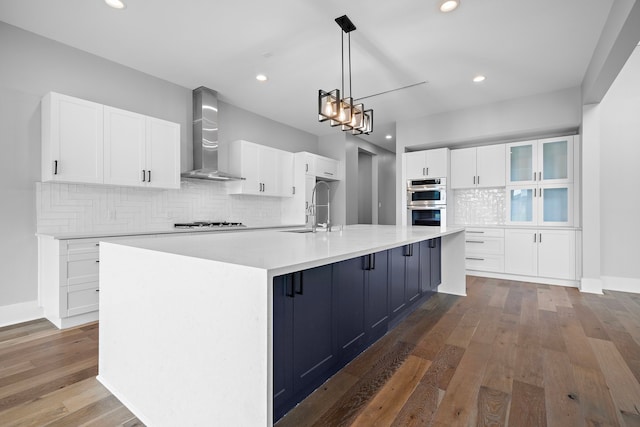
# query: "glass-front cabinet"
{"points": [[543, 161], [548, 205]]}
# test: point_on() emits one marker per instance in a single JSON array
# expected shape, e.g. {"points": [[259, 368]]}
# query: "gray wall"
{"points": [[365, 186], [620, 174], [384, 186], [31, 67]]}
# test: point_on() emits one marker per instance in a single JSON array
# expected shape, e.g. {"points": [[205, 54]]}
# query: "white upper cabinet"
{"points": [[266, 171], [478, 167], [162, 153], [427, 163], [124, 151], [544, 161], [72, 139], [140, 150], [92, 143], [320, 166]]}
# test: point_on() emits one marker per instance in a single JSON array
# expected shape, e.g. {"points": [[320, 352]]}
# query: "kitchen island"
{"points": [[186, 323]]}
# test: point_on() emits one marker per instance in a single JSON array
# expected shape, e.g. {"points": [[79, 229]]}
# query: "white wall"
{"points": [[540, 115], [31, 67], [619, 114]]}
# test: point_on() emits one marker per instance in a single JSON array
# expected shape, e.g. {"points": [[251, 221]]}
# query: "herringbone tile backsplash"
{"points": [[65, 208]]}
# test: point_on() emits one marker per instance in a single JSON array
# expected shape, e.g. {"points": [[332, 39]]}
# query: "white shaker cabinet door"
{"points": [[463, 168], [490, 166], [415, 164], [72, 139], [557, 254], [162, 153], [521, 252], [437, 163], [124, 148]]}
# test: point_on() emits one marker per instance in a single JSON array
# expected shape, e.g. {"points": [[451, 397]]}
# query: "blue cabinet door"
{"points": [[377, 305], [282, 344], [425, 265], [350, 282], [314, 338], [397, 291], [436, 260], [412, 267]]}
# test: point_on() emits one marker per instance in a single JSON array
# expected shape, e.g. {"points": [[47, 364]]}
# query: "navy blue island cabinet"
{"points": [[324, 317], [305, 350], [405, 284], [362, 302], [430, 270]]}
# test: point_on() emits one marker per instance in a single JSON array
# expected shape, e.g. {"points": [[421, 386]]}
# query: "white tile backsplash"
{"points": [[485, 206], [100, 208]]}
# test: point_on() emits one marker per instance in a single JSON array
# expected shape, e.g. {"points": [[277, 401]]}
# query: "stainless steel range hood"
{"points": [[205, 137]]}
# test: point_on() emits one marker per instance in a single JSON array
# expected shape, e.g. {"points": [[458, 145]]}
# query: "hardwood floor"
{"points": [[510, 353]]}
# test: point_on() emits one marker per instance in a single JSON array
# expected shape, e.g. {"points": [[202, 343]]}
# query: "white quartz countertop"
{"points": [[169, 231], [281, 252]]}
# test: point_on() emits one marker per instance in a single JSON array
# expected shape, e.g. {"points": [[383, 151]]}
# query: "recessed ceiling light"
{"points": [[449, 5], [116, 4], [261, 78], [388, 136], [479, 78]]}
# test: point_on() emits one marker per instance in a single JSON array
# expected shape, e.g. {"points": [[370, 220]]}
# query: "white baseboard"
{"points": [[142, 417], [622, 284], [21, 312], [528, 279], [591, 286]]}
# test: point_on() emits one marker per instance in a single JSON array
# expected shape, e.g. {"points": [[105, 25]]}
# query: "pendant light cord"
{"points": [[342, 58], [350, 93]]}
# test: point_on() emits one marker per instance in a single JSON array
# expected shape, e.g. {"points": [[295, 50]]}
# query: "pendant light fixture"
{"points": [[340, 111]]}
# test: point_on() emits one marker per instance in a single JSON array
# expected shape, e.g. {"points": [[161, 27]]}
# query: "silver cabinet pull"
{"points": [[534, 176], [328, 173], [306, 167], [423, 171], [534, 192], [540, 238], [472, 231], [149, 180], [474, 180], [539, 176], [534, 237], [427, 171], [294, 190], [475, 259], [144, 176], [474, 241], [55, 167], [478, 179]]}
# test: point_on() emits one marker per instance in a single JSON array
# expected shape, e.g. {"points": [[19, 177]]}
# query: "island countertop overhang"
{"points": [[281, 252]]}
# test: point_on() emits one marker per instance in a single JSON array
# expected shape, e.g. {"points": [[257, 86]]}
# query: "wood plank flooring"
{"points": [[510, 353]]}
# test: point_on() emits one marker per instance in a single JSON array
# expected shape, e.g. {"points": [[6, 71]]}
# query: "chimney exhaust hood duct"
{"points": [[205, 137]]}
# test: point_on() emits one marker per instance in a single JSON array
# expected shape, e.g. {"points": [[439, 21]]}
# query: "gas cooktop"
{"points": [[209, 224]]}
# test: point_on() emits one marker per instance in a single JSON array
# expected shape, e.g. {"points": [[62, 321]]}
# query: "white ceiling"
{"points": [[524, 47]]}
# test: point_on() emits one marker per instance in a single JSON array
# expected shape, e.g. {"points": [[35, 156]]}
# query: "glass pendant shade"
{"points": [[357, 120], [328, 104], [345, 111]]}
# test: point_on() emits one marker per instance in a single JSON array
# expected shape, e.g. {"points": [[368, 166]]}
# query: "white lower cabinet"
{"points": [[68, 277], [484, 249], [544, 253]]}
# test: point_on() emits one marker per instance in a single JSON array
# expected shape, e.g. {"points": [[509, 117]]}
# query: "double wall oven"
{"points": [[427, 201]]}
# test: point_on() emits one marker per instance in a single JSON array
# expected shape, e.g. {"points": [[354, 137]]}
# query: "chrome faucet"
{"points": [[312, 208]]}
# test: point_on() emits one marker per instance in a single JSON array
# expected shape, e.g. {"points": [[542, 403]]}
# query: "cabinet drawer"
{"points": [[483, 232], [83, 246], [493, 263], [475, 244], [81, 268], [82, 298]]}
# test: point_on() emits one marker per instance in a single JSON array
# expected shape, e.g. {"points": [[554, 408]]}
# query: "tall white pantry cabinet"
{"points": [[540, 238]]}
